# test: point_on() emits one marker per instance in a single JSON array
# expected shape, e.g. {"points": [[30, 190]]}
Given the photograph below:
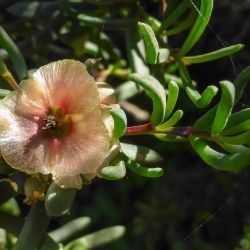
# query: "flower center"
{"points": [[49, 122], [56, 123]]}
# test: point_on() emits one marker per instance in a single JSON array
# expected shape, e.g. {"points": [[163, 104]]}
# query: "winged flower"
{"points": [[58, 122]]}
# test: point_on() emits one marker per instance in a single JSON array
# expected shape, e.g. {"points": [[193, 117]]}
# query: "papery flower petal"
{"points": [[106, 93], [69, 86], [68, 181], [27, 141], [83, 150], [108, 121], [21, 145]]}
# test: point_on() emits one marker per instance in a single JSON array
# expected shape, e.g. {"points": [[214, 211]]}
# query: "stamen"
{"points": [[49, 122]]}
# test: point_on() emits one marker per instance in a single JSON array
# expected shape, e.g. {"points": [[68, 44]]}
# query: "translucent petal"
{"points": [[106, 93], [68, 181], [83, 150], [22, 146], [69, 86]]}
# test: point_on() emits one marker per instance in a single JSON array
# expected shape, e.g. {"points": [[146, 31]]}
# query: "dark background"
{"points": [[192, 206]]}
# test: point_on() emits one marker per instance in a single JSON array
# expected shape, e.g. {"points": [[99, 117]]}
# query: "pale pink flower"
{"points": [[58, 122]]}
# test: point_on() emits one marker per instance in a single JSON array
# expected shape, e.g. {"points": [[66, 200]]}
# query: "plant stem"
{"points": [[148, 129], [34, 229]]}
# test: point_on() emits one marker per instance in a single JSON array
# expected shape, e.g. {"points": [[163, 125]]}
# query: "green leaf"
{"points": [[213, 55], [3, 68], [106, 23], [199, 26], [239, 139], [219, 160], [151, 43], [174, 16], [233, 149], [173, 93], [97, 239], [157, 93], [163, 55], [206, 120], [224, 107], [140, 153], [70, 229], [11, 207], [36, 224], [200, 100], [136, 51], [13, 224], [175, 118], [58, 200], [3, 93], [182, 26], [34, 9], [8, 189], [171, 77], [204, 99], [14, 53], [240, 82], [170, 138], [127, 90], [120, 121], [240, 127], [237, 118], [143, 171], [114, 172]]}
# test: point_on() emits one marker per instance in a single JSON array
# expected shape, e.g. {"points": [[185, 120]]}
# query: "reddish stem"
{"points": [[140, 129], [178, 131]]}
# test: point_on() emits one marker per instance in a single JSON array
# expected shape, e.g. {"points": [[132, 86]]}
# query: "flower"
{"points": [[58, 122]]}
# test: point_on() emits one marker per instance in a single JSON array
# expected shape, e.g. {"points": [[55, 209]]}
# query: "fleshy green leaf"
{"points": [[8, 189], [219, 160], [238, 118], [204, 99], [240, 127], [140, 153], [163, 55], [120, 121], [135, 48], [200, 100], [157, 93], [182, 26], [112, 24], [174, 16], [143, 171], [213, 55], [127, 90], [199, 26], [14, 53], [151, 43], [171, 121], [240, 82], [70, 229], [224, 107], [36, 219], [33, 9], [173, 93], [3, 93], [170, 138], [206, 120], [114, 172], [239, 139], [97, 239], [58, 200]]}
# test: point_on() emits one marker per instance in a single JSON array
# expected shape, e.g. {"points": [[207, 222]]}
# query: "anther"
{"points": [[49, 122]]}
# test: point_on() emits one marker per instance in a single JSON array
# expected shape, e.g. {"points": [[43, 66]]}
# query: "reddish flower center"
{"points": [[56, 123]]}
